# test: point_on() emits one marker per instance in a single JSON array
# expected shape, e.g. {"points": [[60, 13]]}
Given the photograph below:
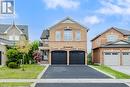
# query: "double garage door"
{"points": [[114, 58], [75, 57]]}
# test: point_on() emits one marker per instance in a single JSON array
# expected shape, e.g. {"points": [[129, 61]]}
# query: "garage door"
{"points": [[126, 58], [58, 57], [77, 57], [112, 58]]}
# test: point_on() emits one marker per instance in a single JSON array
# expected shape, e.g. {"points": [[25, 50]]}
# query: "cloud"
{"points": [[66, 4], [92, 20], [110, 7]]}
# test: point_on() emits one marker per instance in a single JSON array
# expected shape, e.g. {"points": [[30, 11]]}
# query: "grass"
{"points": [[31, 72], [15, 84], [117, 74]]}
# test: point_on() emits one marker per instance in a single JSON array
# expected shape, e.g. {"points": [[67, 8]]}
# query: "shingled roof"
{"points": [[124, 32], [45, 34], [23, 28]]}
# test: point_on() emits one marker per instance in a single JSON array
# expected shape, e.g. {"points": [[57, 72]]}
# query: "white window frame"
{"points": [[78, 36], [58, 35], [68, 35], [11, 37], [16, 38], [111, 38]]}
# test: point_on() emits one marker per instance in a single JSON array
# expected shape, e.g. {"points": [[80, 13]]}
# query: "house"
{"points": [[9, 35], [112, 47], [64, 43]]}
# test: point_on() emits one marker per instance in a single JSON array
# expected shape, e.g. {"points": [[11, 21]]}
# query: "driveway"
{"points": [[81, 85], [123, 69], [75, 71]]}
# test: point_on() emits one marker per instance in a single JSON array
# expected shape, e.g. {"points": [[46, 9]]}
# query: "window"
{"points": [[11, 38], [111, 38], [125, 53], [58, 36], [68, 36], [78, 36], [129, 38], [107, 53], [16, 38], [114, 53]]}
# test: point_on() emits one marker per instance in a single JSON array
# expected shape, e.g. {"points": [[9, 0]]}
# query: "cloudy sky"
{"points": [[97, 15]]}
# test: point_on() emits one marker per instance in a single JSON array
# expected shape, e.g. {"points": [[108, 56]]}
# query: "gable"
{"points": [[110, 31], [68, 21]]}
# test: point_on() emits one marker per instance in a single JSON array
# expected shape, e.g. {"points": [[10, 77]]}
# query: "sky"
{"points": [[97, 15]]}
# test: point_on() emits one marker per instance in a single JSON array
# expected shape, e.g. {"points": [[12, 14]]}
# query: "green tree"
{"points": [[90, 58], [23, 46]]}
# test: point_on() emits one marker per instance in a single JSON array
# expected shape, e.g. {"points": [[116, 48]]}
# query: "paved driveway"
{"points": [[123, 69], [81, 85], [78, 71]]}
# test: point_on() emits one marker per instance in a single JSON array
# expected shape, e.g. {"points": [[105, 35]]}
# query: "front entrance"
{"points": [[0, 58], [59, 57], [77, 57]]}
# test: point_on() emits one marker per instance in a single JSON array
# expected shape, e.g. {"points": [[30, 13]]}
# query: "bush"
{"points": [[13, 65]]}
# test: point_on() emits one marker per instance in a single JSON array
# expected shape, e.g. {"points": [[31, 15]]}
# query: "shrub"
{"points": [[13, 65]]}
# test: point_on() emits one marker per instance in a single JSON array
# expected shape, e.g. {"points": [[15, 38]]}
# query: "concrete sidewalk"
{"points": [[68, 80]]}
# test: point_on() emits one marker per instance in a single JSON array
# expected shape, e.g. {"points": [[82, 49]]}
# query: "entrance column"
{"points": [[50, 57], [67, 57]]}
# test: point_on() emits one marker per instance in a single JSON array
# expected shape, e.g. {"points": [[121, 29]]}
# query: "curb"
{"points": [[40, 75], [103, 72]]}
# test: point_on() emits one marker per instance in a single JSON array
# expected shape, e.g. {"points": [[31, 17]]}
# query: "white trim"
{"points": [[15, 27]]}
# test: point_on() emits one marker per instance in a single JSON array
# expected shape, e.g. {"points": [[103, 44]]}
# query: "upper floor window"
{"points": [[78, 36], [58, 36], [68, 36], [111, 38], [14, 38], [129, 38]]}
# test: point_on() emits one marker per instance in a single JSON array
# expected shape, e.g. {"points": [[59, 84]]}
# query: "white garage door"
{"points": [[126, 58], [112, 58]]}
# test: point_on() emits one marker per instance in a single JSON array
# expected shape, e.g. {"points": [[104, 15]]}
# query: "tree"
{"points": [[37, 56], [23, 46], [90, 58]]}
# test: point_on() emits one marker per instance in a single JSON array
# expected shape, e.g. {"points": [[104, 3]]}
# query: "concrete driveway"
{"points": [[76, 71], [81, 85], [123, 69]]}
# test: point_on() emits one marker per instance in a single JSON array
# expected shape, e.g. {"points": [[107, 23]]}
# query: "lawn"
{"points": [[15, 84], [31, 72], [116, 74]]}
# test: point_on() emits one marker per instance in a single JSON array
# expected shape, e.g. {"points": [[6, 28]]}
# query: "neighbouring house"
{"points": [[112, 47], [64, 43], [9, 35]]}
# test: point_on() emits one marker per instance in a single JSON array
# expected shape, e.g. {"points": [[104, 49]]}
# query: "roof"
{"points": [[68, 18], [45, 34], [117, 44], [124, 32], [23, 28]]}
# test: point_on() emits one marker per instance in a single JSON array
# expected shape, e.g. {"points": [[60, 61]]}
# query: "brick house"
{"points": [[64, 43], [112, 47], [9, 35]]}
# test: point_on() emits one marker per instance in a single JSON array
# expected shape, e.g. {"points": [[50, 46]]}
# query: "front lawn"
{"points": [[116, 74], [15, 84], [31, 72]]}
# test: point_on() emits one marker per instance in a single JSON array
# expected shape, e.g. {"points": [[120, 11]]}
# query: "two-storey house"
{"points": [[112, 47], [9, 35], [64, 43]]}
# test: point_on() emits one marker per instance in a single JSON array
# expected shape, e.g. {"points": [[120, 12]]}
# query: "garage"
{"points": [[76, 57], [59, 57], [126, 58], [111, 58], [0, 57]]}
